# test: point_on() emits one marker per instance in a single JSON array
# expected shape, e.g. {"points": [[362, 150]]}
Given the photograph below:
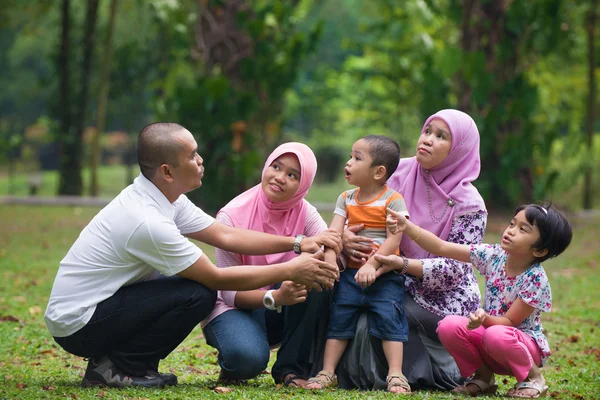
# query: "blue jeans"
{"points": [[243, 339], [383, 301], [142, 323]]}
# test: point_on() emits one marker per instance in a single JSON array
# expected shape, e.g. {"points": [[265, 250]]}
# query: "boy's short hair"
{"points": [[384, 151], [555, 230]]}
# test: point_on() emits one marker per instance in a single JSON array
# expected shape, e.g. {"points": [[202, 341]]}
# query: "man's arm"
{"points": [[306, 269], [250, 242]]}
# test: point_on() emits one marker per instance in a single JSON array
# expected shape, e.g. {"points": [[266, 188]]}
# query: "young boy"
{"points": [[372, 161]]}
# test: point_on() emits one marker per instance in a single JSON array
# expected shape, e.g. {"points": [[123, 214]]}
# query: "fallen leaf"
{"points": [[35, 310], [8, 318], [101, 393], [74, 396], [21, 385], [574, 338], [221, 389], [595, 352], [20, 299], [48, 387]]}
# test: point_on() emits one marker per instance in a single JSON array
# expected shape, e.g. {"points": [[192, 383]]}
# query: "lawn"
{"points": [[34, 239]]}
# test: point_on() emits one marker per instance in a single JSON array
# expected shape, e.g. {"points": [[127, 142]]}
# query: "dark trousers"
{"points": [[142, 323], [243, 339]]}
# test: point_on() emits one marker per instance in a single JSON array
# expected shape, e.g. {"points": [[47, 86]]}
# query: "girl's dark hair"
{"points": [[555, 229]]}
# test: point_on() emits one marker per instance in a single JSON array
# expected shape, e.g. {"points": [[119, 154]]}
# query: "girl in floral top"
{"points": [[505, 337]]}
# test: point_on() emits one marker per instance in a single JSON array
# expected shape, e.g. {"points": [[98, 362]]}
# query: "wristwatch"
{"points": [[269, 301], [297, 243]]}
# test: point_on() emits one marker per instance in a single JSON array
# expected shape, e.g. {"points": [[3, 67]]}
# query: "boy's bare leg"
{"points": [[334, 349], [393, 353]]}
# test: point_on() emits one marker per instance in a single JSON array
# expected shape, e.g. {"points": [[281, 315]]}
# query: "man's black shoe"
{"points": [[102, 372]]}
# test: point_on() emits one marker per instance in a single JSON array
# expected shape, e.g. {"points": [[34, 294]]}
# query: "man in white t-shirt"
{"points": [[133, 286]]}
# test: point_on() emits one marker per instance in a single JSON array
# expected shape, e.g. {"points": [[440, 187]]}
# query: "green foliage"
{"points": [[218, 102]]}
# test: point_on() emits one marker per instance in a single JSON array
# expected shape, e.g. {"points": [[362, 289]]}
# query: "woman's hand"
{"points": [[396, 222], [290, 293], [329, 238], [357, 248], [476, 319]]}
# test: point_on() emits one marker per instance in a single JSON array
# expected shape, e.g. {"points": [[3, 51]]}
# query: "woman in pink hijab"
{"points": [[436, 185], [244, 325]]}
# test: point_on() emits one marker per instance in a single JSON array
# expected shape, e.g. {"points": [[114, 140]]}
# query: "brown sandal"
{"points": [[398, 381], [323, 378]]}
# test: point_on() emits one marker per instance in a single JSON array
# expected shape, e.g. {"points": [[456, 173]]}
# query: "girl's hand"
{"points": [[290, 293], [395, 222], [328, 238], [388, 263], [476, 319], [357, 248], [365, 275]]}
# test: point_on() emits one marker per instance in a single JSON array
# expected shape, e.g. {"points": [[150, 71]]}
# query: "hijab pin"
{"points": [[451, 202]]}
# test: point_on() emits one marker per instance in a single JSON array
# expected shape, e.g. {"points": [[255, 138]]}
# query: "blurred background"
{"points": [[80, 78]]}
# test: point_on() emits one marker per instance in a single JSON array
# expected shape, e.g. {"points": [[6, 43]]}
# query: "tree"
{"points": [[101, 111], [592, 16], [71, 157]]}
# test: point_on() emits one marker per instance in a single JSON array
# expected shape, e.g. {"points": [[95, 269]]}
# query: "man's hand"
{"points": [[476, 319], [357, 248], [290, 293], [395, 222], [366, 275], [328, 238], [309, 270]]}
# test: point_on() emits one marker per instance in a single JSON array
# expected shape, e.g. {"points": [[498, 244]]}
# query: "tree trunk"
{"points": [[64, 95], [101, 111], [71, 182], [591, 101]]}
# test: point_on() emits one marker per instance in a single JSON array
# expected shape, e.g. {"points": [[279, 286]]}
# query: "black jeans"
{"points": [[142, 323]]}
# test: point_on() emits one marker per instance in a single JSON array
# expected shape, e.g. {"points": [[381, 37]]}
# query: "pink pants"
{"points": [[505, 349]]}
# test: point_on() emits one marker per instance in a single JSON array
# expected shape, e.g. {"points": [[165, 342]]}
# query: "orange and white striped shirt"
{"points": [[371, 213]]}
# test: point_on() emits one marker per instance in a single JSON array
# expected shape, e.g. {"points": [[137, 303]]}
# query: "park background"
{"points": [[80, 78]]}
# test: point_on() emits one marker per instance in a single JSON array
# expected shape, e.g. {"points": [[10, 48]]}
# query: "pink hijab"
{"points": [[253, 210], [451, 179]]}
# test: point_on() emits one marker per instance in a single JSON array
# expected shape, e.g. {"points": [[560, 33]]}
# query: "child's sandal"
{"points": [[398, 381], [323, 378]]}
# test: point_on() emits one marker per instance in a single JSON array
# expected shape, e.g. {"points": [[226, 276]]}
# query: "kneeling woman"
{"points": [[244, 325]]}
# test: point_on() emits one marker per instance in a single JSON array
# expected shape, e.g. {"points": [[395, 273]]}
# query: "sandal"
{"points": [[398, 381], [483, 387], [541, 388], [323, 378], [290, 380]]}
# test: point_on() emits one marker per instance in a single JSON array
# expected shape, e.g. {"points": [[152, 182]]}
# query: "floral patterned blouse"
{"points": [[501, 291], [449, 287]]}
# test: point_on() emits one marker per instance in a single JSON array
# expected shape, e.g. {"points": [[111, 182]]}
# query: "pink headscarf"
{"points": [[253, 210], [451, 179]]}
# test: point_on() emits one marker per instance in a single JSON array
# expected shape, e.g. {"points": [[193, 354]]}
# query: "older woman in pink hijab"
{"points": [[436, 185], [244, 325]]}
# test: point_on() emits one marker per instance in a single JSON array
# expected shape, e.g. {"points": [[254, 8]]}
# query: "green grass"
{"points": [[112, 179], [33, 240]]}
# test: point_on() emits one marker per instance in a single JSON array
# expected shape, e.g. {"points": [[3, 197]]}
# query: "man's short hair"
{"points": [[384, 151], [156, 146]]}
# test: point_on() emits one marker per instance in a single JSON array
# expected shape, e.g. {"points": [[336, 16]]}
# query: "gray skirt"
{"points": [[426, 364]]}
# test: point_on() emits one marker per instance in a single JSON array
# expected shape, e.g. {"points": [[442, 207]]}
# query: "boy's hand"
{"points": [[329, 238], [366, 275], [358, 248], [290, 293], [395, 222], [476, 319]]}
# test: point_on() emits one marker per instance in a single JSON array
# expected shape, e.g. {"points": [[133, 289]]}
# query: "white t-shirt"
{"points": [[135, 238]]}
